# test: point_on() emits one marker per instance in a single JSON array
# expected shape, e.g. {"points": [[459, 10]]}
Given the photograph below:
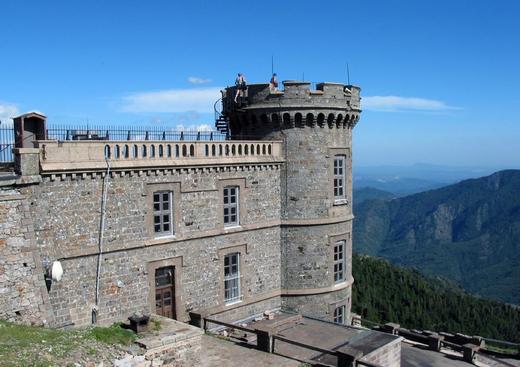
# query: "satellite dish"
{"points": [[57, 271]]}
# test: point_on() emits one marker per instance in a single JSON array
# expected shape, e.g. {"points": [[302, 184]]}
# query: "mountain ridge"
{"points": [[468, 232]]}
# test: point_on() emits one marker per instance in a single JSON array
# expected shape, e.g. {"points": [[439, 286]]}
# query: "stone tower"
{"points": [[316, 225]]}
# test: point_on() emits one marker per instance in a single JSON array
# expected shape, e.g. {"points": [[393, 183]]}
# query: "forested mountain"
{"points": [[386, 293], [468, 232], [370, 193]]}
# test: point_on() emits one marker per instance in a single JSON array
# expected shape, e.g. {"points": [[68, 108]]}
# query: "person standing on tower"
{"points": [[240, 83], [273, 84]]}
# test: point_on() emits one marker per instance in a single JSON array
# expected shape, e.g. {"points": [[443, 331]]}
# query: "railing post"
{"points": [[435, 342], [264, 340], [469, 351], [348, 357]]}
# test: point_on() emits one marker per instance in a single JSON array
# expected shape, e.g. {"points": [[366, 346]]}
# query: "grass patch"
{"points": [[114, 334], [156, 325], [22, 345]]}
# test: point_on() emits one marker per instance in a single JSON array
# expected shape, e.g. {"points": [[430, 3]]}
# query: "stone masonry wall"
{"points": [[314, 219], [23, 297], [388, 355], [67, 226]]}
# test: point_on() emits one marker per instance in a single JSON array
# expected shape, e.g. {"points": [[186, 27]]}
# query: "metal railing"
{"points": [[106, 132], [130, 133], [6, 144]]}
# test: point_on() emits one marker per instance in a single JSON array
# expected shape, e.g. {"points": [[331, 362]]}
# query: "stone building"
{"points": [[229, 228]]}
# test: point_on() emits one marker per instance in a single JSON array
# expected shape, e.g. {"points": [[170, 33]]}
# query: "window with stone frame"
{"points": [[339, 177], [339, 261], [231, 206], [339, 315], [163, 213], [232, 278]]}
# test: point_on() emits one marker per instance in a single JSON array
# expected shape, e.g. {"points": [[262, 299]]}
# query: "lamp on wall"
{"points": [[56, 271]]}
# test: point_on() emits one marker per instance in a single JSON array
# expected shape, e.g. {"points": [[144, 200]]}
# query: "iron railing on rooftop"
{"points": [[105, 132], [6, 144], [59, 132]]}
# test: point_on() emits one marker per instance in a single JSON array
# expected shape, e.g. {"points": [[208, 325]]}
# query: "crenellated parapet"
{"points": [[331, 105]]}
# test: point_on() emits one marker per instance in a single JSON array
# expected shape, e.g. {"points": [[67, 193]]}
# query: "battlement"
{"points": [[295, 95]]}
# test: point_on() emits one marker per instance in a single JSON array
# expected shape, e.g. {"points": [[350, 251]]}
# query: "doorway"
{"points": [[165, 291]]}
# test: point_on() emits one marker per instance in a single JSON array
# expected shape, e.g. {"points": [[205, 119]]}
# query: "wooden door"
{"points": [[165, 291]]}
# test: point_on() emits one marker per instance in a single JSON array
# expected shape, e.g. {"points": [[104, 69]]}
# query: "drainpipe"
{"points": [[101, 238]]}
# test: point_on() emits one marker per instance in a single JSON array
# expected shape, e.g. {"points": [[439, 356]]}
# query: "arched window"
{"points": [[161, 151], [184, 150], [309, 120], [152, 151], [192, 150], [169, 151], [263, 149], [135, 151], [126, 151], [298, 120], [143, 151], [330, 120], [286, 119], [116, 152], [107, 152], [213, 150], [321, 119], [275, 119]]}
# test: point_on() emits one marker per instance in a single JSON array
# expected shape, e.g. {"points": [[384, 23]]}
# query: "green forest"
{"points": [[386, 293]]}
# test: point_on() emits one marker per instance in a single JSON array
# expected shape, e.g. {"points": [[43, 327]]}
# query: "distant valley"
{"points": [[468, 232]]}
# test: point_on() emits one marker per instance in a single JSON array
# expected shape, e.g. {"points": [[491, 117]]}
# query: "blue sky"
{"points": [[440, 79]]}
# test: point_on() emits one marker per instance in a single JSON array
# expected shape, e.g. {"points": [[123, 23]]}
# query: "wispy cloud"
{"points": [[197, 80], [397, 104], [173, 100], [201, 127], [7, 111]]}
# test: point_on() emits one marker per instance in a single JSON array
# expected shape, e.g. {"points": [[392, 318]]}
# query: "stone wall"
{"points": [[23, 297], [67, 222], [320, 306], [313, 220], [388, 355]]}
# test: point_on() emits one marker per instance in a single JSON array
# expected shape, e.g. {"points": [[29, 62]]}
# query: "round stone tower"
{"points": [[316, 234]]}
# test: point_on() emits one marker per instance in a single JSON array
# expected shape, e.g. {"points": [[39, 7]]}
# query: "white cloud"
{"points": [[201, 127], [204, 127], [396, 103], [197, 80], [173, 100], [7, 111]]}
